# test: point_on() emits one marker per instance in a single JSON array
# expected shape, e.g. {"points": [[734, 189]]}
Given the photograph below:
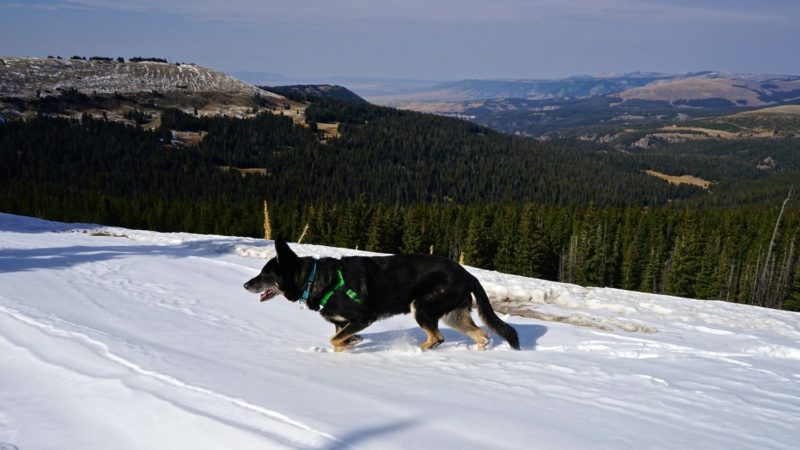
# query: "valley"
{"points": [[585, 106], [581, 202]]}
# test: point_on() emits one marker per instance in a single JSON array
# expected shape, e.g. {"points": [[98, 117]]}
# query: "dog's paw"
{"points": [[355, 339]]}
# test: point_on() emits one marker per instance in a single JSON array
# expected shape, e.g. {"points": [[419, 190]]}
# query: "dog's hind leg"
{"points": [[346, 336], [430, 325], [435, 337], [461, 320]]}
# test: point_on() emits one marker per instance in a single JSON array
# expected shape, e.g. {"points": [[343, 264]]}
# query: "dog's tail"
{"points": [[491, 320]]}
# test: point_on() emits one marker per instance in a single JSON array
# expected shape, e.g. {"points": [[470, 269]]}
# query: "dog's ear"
{"points": [[286, 257]]}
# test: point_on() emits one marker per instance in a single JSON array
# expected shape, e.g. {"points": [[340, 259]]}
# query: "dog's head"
{"points": [[279, 276]]}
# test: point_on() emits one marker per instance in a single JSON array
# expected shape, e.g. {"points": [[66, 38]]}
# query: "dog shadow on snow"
{"points": [[411, 338], [360, 436]]}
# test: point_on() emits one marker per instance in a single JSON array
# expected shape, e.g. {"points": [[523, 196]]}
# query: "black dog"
{"points": [[353, 292]]}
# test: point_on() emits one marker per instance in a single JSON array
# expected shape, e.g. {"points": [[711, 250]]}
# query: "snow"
{"points": [[22, 77], [126, 339]]}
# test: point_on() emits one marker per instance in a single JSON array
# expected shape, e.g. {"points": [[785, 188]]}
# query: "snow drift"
{"points": [[114, 338]]}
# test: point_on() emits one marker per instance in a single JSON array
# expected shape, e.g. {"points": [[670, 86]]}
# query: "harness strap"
{"points": [[339, 284], [312, 274]]}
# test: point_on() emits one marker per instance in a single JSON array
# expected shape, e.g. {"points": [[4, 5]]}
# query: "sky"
{"points": [[418, 39]]}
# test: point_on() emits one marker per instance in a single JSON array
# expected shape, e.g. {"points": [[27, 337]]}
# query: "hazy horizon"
{"points": [[415, 39]]}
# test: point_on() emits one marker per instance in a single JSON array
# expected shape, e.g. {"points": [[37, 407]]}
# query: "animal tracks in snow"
{"points": [[97, 360], [149, 341]]}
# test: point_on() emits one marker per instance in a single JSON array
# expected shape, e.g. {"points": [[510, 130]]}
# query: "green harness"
{"points": [[339, 284]]}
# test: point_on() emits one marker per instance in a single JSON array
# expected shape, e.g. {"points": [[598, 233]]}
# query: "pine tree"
{"points": [[590, 249], [480, 246], [348, 229], [509, 238], [384, 233], [681, 272], [414, 231], [706, 282], [656, 256], [633, 251], [321, 225], [613, 258], [793, 302], [532, 255]]}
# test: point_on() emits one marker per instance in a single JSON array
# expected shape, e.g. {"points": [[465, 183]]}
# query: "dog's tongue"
{"points": [[266, 295]]}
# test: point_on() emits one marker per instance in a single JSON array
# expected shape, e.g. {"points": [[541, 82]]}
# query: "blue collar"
{"points": [[312, 274]]}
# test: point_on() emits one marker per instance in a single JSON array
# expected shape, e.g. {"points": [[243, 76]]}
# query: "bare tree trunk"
{"points": [[767, 273], [784, 281], [267, 226], [571, 268], [303, 234], [754, 298], [603, 257], [729, 287]]}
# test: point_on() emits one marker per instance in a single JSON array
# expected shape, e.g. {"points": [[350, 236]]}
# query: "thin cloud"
{"points": [[699, 12], [37, 6], [466, 12]]}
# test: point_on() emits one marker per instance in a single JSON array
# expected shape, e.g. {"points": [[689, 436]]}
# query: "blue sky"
{"points": [[418, 39]]}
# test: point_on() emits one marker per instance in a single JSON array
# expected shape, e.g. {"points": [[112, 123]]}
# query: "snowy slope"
{"points": [[113, 338], [23, 76]]}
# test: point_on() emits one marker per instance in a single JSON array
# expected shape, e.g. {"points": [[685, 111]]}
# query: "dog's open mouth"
{"points": [[268, 294]]}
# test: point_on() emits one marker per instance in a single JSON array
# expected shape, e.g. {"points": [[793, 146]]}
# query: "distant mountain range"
{"points": [[626, 109], [569, 106], [467, 90], [715, 90], [680, 89]]}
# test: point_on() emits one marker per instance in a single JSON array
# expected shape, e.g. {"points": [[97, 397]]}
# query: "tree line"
{"points": [[745, 255], [405, 182]]}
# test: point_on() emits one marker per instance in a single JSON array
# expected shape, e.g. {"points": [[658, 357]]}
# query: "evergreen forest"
{"points": [[400, 181]]}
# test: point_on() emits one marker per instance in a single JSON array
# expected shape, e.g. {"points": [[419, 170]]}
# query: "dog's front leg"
{"points": [[352, 340], [343, 339]]}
